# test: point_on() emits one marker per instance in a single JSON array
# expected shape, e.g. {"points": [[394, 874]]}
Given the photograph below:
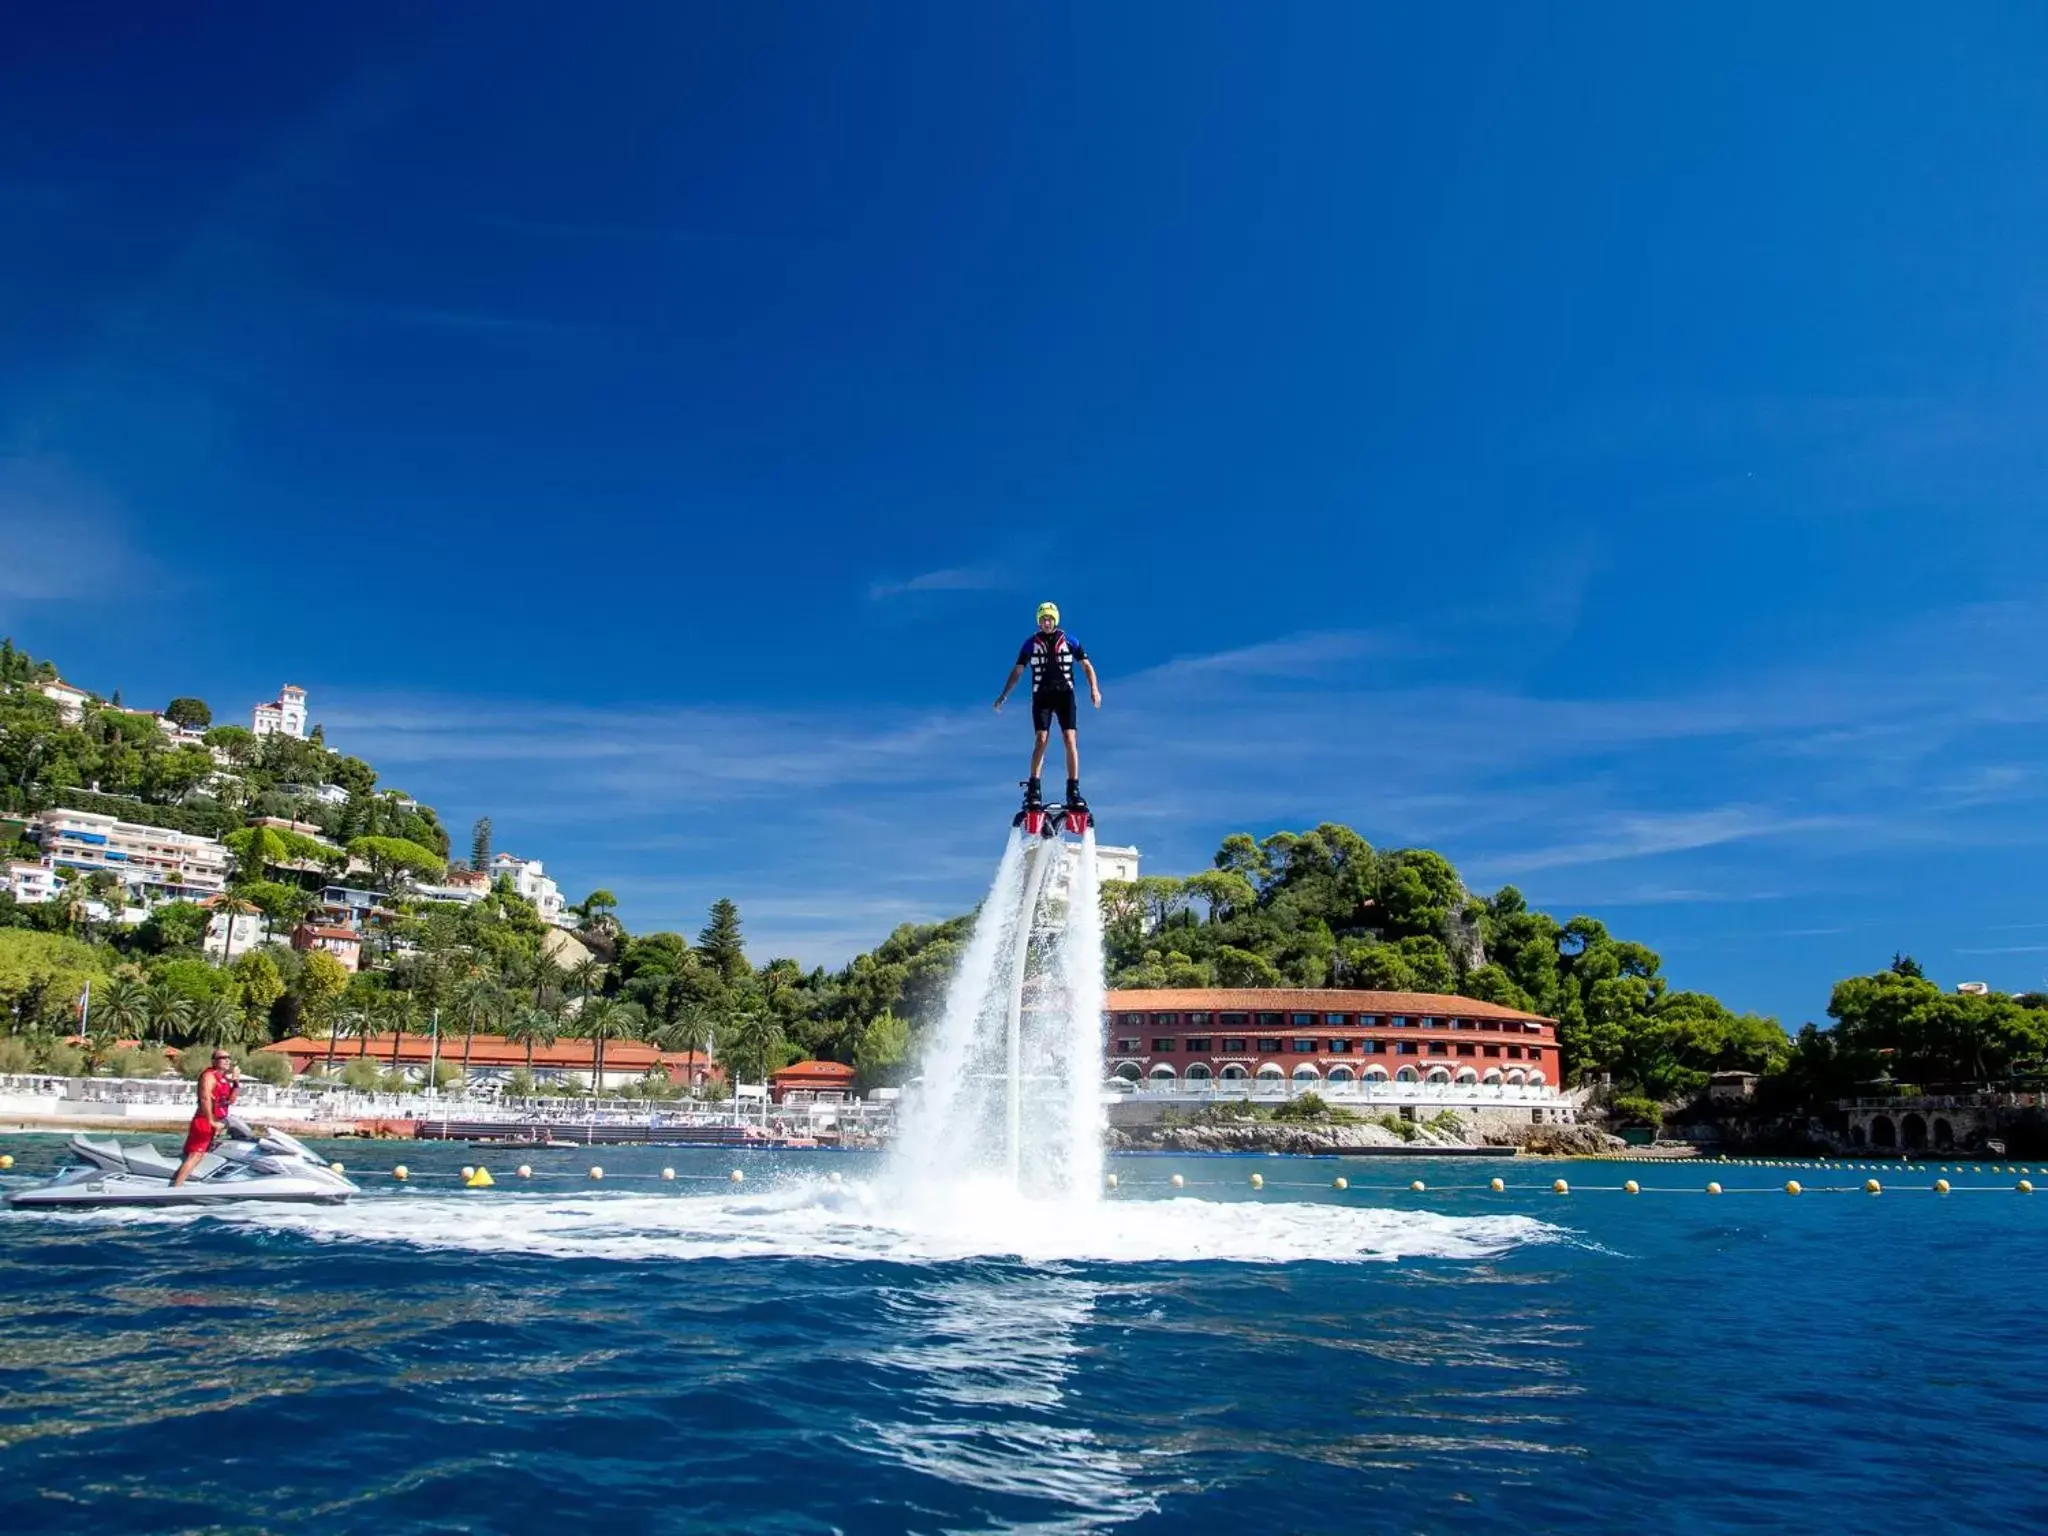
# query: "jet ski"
{"points": [[248, 1165]]}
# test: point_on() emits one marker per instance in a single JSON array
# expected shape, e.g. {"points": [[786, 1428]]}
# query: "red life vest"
{"points": [[223, 1095]]}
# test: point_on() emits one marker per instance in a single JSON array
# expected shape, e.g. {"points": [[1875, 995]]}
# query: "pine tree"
{"points": [[720, 942], [480, 845]]}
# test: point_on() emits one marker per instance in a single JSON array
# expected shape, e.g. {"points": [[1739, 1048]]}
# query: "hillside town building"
{"points": [[71, 701], [1223, 1040], [153, 862], [532, 882], [284, 715], [29, 881]]}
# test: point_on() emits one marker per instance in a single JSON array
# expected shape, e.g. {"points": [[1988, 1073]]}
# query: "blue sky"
{"points": [[1603, 444]]}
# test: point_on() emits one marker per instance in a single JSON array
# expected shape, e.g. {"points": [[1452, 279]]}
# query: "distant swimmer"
{"points": [[1052, 654]]}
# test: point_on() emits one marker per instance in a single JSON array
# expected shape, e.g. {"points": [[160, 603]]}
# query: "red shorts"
{"points": [[199, 1136]]}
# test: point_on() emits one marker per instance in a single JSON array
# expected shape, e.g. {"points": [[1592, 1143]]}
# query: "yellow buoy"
{"points": [[1418, 1186], [1178, 1181], [596, 1172], [1559, 1187], [668, 1175], [1109, 1180], [1258, 1181], [1631, 1188], [336, 1168], [399, 1173], [1791, 1186], [738, 1177], [1941, 1186], [525, 1172], [1872, 1187], [1340, 1182], [480, 1179], [1713, 1188], [468, 1171], [1498, 1185], [2025, 1186], [6, 1160]]}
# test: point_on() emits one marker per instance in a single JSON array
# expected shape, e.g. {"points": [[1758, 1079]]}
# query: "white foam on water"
{"points": [[977, 1218]]}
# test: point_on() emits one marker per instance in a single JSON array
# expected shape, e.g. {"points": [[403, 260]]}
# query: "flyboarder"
{"points": [[1051, 654]]}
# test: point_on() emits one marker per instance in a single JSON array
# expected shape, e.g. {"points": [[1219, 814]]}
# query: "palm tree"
{"points": [[217, 1022], [403, 1015], [608, 1019], [169, 1013], [543, 974], [122, 1007], [531, 1027], [230, 906], [687, 1031], [749, 1041], [586, 976], [477, 1002], [358, 1022]]}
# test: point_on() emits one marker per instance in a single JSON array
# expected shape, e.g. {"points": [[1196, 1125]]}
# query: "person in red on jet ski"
{"points": [[216, 1098], [1052, 654]]}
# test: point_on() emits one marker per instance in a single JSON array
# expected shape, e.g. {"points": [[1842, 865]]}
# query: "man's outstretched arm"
{"points": [[1094, 687], [1011, 681]]}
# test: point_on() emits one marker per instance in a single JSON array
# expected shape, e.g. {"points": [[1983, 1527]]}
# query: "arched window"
{"points": [[1492, 1075], [1438, 1075], [1307, 1074], [1197, 1072], [1128, 1071], [1375, 1074], [1269, 1072], [1467, 1075], [1234, 1072], [1161, 1073], [1405, 1075], [1535, 1079], [1515, 1077], [1340, 1074]]}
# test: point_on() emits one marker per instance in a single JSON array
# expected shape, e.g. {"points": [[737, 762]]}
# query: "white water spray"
{"points": [[1011, 1083]]}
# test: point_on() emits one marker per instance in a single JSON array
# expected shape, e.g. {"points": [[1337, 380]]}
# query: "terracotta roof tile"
{"points": [[1310, 1000]]}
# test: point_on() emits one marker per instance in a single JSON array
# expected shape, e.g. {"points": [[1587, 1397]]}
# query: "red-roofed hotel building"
{"points": [[1394, 1046]]}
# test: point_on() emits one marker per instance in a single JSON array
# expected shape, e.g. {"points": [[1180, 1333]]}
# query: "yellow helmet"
{"points": [[1049, 611]]}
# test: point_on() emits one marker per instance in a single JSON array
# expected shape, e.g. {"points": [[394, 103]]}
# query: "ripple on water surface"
{"points": [[798, 1354]]}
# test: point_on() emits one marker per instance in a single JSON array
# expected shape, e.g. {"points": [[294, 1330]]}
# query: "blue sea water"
{"points": [[793, 1354]]}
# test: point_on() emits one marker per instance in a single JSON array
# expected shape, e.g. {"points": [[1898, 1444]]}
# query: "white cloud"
{"points": [[951, 579]]}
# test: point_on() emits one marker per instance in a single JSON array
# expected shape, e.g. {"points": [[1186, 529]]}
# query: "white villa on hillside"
{"points": [[284, 715], [532, 882], [70, 701]]}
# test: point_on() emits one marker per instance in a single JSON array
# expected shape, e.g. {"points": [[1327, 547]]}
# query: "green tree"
{"points": [[720, 943], [479, 1003], [531, 1027], [480, 846], [217, 1022], [259, 985], [177, 924], [748, 1045], [884, 1050], [608, 1019], [120, 1006], [190, 713], [390, 857]]}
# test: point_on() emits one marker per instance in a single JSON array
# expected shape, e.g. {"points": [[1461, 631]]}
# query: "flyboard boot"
{"points": [[1032, 817], [1075, 815]]}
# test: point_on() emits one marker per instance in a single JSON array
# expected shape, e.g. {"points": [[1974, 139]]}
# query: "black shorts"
{"points": [[1046, 705]]}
